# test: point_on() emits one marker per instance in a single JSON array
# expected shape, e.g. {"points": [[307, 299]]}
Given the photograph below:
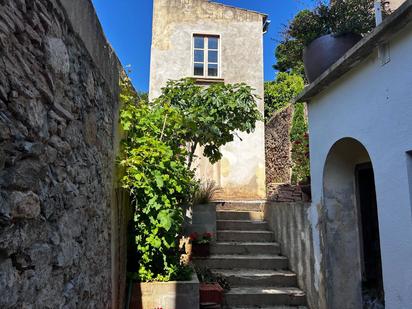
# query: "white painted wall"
{"points": [[373, 104]]}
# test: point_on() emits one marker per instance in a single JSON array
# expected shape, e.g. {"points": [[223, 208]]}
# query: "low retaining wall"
{"points": [[167, 295], [292, 227]]}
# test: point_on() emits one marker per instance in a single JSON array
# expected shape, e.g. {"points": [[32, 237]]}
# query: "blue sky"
{"points": [[128, 27]]}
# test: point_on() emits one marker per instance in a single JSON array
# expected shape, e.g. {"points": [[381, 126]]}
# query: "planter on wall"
{"points": [[203, 219], [323, 52], [211, 293], [200, 250], [166, 295]]}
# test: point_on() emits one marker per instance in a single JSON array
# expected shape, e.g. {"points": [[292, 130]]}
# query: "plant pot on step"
{"points": [[323, 52], [211, 293], [201, 250]]}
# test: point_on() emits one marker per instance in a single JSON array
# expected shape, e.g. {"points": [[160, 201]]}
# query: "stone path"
{"points": [[247, 255]]}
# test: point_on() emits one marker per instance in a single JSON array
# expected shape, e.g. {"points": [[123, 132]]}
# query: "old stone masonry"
{"points": [[56, 151]]}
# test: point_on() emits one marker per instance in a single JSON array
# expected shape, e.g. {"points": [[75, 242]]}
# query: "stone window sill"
{"points": [[208, 80]]}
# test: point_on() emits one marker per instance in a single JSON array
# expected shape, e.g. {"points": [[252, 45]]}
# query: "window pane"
{"points": [[198, 69], [213, 43], [199, 42], [199, 55], [213, 56], [212, 71]]}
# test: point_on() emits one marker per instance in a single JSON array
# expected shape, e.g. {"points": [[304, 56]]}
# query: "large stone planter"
{"points": [[166, 295], [323, 52], [203, 219]]}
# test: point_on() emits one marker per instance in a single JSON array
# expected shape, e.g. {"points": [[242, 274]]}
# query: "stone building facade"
{"points": [[215, 43], [60, 245]]}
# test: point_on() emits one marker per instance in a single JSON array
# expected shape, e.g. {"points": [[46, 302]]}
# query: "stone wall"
{"points": [[285, 193], [58, 116], [278, 147], [291, 223]]}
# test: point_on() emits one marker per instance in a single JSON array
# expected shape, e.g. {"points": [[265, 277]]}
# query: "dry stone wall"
{"points": [[278, 147], [57, 137]]}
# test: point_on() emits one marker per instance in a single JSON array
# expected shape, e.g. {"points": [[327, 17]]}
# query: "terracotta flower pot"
{"points": [[323, 52], [200, 250], [211, 293]]}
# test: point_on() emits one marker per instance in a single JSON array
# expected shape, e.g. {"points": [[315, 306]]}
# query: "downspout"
{"points": [[378, 12]]}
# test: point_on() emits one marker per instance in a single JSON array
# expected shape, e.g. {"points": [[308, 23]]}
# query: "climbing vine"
{"points": [[300, 145]]}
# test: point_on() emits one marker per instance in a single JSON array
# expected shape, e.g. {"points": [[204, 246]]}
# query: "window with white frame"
{"points": [[206, 55]]}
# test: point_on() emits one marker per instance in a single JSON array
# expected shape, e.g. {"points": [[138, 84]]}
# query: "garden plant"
{"points": [[158, 149]]}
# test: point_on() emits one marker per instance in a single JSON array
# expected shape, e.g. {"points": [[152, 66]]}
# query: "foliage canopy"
{"points": [[280, 92], [156, 161], [159, 183], [212, 115], [337, 18]]}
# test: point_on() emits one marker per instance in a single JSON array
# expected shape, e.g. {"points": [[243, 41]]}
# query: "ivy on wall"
{"points": [[278, 95]]}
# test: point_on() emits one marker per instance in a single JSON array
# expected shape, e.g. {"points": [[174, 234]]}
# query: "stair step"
{"points": [[256, 277], [245, 248], [245, 236], [239, 215], [265, 296], [242, 225], [241, 206], [243, 262], [265, 307]]}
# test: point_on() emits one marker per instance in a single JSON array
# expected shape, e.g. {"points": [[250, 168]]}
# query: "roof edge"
{"points": [[381, 34], [238, 8]]}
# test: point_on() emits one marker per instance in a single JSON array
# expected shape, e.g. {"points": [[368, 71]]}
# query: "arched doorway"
{"points": [[350, 229]]}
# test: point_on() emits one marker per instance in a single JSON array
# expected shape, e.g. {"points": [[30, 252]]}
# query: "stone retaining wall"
{"points": [[291, 223], [278, 147], [58, 137]]}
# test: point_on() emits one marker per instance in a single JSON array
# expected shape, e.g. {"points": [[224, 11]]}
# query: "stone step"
{"points": [[239, 215], [256, 277], [260, 261], [265, 296], [241, 205], [265, 307], [242, 225], [245, 248], [245, 236]]}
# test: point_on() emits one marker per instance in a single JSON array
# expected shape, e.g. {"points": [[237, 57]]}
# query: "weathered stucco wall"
{"points": [[279, 147], [292, 225], [371, 104], [241, 172], [58, 137], [395, 4]]}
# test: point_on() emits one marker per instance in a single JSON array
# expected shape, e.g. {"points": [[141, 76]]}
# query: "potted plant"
{"points": [[201, 244], [203, 209], [212, 288], [326, 33]]}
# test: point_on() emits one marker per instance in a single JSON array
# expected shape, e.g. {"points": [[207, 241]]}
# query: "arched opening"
{"points": [[350, 229]]}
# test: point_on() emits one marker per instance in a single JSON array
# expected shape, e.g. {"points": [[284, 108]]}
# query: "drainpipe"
{"points": [[378, 12]]}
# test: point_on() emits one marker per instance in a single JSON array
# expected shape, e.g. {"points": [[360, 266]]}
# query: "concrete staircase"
{"points": [[247, 255]]}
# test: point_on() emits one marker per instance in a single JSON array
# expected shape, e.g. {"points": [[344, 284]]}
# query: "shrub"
{"points": [[159, 182], [300, 145], [156, 162], [280, 93]]}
